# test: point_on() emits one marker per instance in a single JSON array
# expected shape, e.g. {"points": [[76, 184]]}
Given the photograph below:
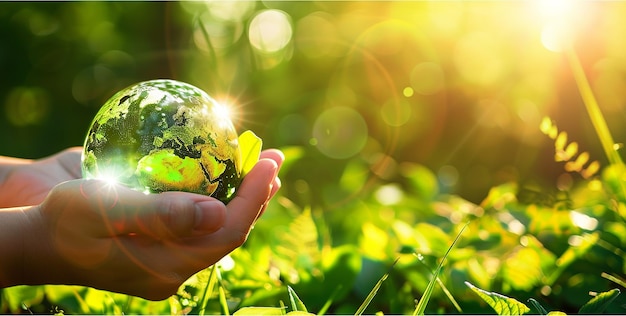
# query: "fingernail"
{"points": [[209, 215], [274, 171]]}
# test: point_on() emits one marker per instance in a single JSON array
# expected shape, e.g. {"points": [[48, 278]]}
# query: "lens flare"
{"points": [[222, 110]]}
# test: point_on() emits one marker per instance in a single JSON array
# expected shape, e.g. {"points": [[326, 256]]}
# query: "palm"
{"points": [[29, 184]]}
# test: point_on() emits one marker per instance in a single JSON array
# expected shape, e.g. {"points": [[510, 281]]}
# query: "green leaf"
{"points": [[340, 267], [250, 148], [599, 303], [572, 254], [296, 303], [422, 181], [20, 298], [524, 267], [72, 298], [501, 304], [299, 243], [259, 311]]}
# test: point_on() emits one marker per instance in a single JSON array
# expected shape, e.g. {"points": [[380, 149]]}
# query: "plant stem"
{"points": [[208, 289], [593, 109]]}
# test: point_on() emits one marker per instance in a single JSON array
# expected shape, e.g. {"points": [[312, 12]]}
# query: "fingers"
{"points": [[258, 187], [279, 158], [169, 215], [250, 198], [273, 154], [159, 239], [114, 210], [182, 214], [69, 160], [107, 210]]}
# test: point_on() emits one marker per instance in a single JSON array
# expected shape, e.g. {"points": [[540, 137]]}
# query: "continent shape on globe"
{"points": [[164, 135]]}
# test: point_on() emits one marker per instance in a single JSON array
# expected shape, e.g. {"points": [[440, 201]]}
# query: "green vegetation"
{"points": [[425, 171]]}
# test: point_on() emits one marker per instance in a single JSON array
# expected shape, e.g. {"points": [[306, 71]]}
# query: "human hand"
{"points": [[88, 232], [27, 182]]}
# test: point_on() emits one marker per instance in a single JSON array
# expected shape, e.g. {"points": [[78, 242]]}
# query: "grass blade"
{"points": [[211, 49], [593, 109], [208, 289], [296, 303], [445, 289], [538, 306], [221, 293], [374, 290], [329, 301], [421, 305], [613, 278], [449, 295]]}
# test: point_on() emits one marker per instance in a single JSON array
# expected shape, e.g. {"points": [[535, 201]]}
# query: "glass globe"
{"points": [[164, 135]]}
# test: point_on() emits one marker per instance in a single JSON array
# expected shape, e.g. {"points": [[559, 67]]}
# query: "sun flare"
{"points": [[558, 18], [223, 110]]}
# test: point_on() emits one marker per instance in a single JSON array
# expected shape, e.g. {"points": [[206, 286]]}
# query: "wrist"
{"points": [[25, 247], [13, 244]]}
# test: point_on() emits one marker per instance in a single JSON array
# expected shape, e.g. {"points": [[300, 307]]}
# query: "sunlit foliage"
{"points": [[402, 122]]}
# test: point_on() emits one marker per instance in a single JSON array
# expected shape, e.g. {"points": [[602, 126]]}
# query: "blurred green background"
{"points": [[382, 108], [459, 87]]}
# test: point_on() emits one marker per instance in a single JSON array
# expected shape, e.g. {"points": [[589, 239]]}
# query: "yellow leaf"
{"points": [[546, 125], [553, 132], [572, 166], [561, 140], [593, 167], [571, 150], [250, 148], [582, 159]]}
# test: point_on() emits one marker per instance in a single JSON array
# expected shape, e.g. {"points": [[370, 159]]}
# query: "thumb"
{"points": [[112, 209], [171, 215]]}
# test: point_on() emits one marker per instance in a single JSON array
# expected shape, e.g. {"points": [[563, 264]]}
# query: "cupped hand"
{"points": [[28, 182], [107, 236]]}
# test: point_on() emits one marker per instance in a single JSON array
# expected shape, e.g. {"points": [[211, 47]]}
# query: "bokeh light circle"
{"points": [[270, 31], [211, 34], [340, 132], [317, 36], [230, 10], [427, 78], [27, 106], [396, 112]]}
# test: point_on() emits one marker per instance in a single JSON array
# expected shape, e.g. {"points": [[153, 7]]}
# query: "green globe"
{"points": [[164, 135]]}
